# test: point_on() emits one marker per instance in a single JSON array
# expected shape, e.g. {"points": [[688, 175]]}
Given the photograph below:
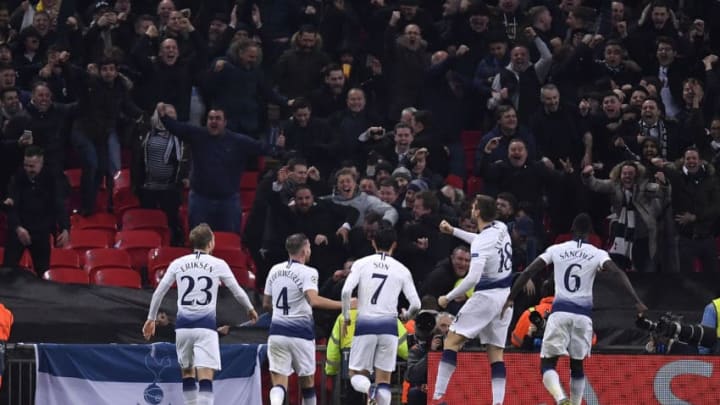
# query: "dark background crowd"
{"points": [[370, 112]]}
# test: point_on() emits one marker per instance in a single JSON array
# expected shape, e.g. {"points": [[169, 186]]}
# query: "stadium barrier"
{"points": [[19, 378], [611, 379]]}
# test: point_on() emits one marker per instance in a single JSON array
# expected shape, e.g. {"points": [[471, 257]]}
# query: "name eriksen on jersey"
{"points": [[576, 254], [196, 265]]}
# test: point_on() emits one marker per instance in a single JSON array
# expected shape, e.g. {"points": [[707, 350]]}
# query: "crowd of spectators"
{"points": [[608, 107]]}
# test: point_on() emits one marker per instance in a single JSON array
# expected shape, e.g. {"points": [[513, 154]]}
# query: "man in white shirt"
{"points": [[380, 280], [568, 330], [198, 276], [291, 292], [482, 315]]}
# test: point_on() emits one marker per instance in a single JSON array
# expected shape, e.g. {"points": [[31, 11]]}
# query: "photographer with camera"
{"points": [[528, 332], [431, 328], [669, 330]]}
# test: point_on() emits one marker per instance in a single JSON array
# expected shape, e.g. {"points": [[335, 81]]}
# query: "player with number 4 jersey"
{"points": [[198, 276], [291, 292], [379, 279], [482, 314], [568, 330]]}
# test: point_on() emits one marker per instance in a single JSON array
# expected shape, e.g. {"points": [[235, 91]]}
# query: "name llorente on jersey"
{"points": [[196, 265], [577, 254]]}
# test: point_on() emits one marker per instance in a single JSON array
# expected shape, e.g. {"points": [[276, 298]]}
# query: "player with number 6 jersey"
{"points": [[291, 292], [380, 279], [568, 330], [198, 276]]}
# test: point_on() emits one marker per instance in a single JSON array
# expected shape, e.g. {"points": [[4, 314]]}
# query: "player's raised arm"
{"points": [[463, 235], [624, 281], [478, 257]]}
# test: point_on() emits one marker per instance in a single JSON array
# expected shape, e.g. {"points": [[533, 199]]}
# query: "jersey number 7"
{"points": [[375, 296]]}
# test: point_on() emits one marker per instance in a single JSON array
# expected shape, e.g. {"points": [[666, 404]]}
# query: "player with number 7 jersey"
{"points": [[379, 279]]}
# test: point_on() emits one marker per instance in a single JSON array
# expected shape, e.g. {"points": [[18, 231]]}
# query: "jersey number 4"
{"points": [[191, 287], [282, 303]]}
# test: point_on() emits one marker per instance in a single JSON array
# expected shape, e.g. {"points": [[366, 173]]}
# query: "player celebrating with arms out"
{"points": [[481, 315], [291, 292], [198, 276], [568, 330], [380, 279]]}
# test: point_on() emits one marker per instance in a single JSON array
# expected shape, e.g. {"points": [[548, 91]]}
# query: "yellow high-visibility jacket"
{"points": [[336, 345]]}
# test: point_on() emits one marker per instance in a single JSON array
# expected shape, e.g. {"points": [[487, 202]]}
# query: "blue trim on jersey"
{"points": [[489, 284], [302, 328], [376, 326], [204, 322], [566, 306]]}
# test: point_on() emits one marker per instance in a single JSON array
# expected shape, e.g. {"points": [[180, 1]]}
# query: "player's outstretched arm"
{"points": [[534, 268], [609, 265], [320, 302]]}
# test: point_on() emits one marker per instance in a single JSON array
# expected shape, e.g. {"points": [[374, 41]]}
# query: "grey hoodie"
{"points": [[366, 203]]}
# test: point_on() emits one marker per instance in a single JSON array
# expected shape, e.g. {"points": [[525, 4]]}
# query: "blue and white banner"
{"points": [[138, 375]]}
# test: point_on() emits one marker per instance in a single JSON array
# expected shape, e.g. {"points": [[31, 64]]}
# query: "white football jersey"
{"points": [[292, 315], [576, 264], [198, 276], [380, 280], [490, 260]]}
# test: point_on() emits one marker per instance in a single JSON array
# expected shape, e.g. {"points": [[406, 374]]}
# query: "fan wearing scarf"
{"points": [[635, 204], [161, 159]]}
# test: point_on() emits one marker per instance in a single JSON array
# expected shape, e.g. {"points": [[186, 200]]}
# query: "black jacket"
{"points": [[38, 205]]}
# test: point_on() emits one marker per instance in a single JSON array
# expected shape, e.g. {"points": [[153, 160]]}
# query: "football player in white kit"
{"points": [[198, 276], [568, 330], [291, 292], [380, 280], [481, 315]]}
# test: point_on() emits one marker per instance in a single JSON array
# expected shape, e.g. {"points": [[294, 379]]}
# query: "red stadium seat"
{"points": [[249, 180], [227, 240], [96, 259], [455, 181], [66, 275], [237, 259], [247, 198], [137, 244], [117, 277], [64, 258], [160, 258], [82, 240], [148, 219], [101, 221]]}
